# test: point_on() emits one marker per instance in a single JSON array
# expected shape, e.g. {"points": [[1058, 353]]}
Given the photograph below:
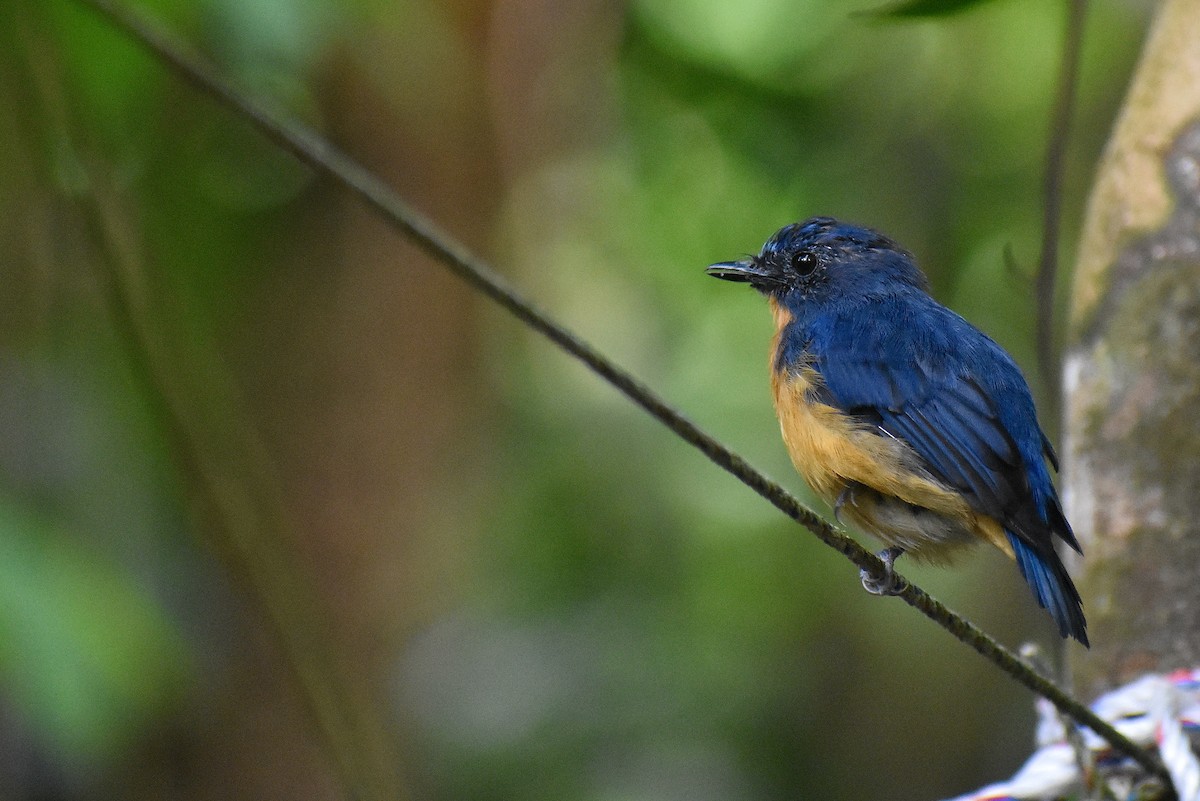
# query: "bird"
{"points": [[915, 426]]}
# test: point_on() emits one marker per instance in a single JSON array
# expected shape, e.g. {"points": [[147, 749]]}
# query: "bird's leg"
{"points": [[888, 583], [846, 495]]}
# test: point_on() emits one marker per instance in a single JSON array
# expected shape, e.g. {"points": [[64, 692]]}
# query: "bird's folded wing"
{"points": [[928, 394]]}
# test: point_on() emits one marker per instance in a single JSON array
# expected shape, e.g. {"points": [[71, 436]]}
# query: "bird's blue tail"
{"points": [[1052, 587]]}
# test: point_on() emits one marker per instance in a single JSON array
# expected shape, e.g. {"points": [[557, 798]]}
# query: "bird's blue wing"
{"points": [[924, 375]]}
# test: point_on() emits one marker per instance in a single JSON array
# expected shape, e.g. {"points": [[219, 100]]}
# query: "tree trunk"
{"points": [[1132, 373]]}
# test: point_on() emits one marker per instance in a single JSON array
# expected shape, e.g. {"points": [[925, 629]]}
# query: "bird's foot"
{"points": [[887, 583], [844, 497]]}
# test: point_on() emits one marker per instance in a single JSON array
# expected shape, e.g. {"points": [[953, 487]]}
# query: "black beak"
{"points": [[744, 271]]}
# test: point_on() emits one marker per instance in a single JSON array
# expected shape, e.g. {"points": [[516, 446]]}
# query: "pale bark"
{"points": [[1132, 374]]}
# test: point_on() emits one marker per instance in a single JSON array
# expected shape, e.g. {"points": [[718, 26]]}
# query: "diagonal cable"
{"points": [[315, 151]]}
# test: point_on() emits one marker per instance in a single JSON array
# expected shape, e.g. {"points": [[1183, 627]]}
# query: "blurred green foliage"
{"points": [[85, 656], [586, 607]]}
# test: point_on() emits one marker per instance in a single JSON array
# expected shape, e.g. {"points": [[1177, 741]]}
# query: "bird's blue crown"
{"points": [[844, 261]]}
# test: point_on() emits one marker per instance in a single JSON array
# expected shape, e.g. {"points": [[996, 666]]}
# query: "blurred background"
{"points": [[534, 590]]}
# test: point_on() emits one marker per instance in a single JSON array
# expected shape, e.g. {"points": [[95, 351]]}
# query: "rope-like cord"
{"points": [[315, 151], [1173, 742], [1154, 710]]}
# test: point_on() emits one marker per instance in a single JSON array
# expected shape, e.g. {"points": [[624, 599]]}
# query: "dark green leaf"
{"points": [[923, 8]]}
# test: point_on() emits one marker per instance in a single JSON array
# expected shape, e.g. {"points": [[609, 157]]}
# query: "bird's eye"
{"points": [[804, 262]]}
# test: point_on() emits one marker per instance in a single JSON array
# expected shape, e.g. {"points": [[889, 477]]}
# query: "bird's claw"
{"points": [[887, 583]]}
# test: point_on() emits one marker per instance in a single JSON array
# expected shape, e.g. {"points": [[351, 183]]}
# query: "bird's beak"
{"points": [[745, 271]]}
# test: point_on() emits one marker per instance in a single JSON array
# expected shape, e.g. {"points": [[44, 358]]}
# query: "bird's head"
{"points": [[823, 259]]}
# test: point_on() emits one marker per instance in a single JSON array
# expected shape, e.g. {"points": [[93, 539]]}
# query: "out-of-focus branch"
{"points": [[227, 471], [1052, 183]]}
